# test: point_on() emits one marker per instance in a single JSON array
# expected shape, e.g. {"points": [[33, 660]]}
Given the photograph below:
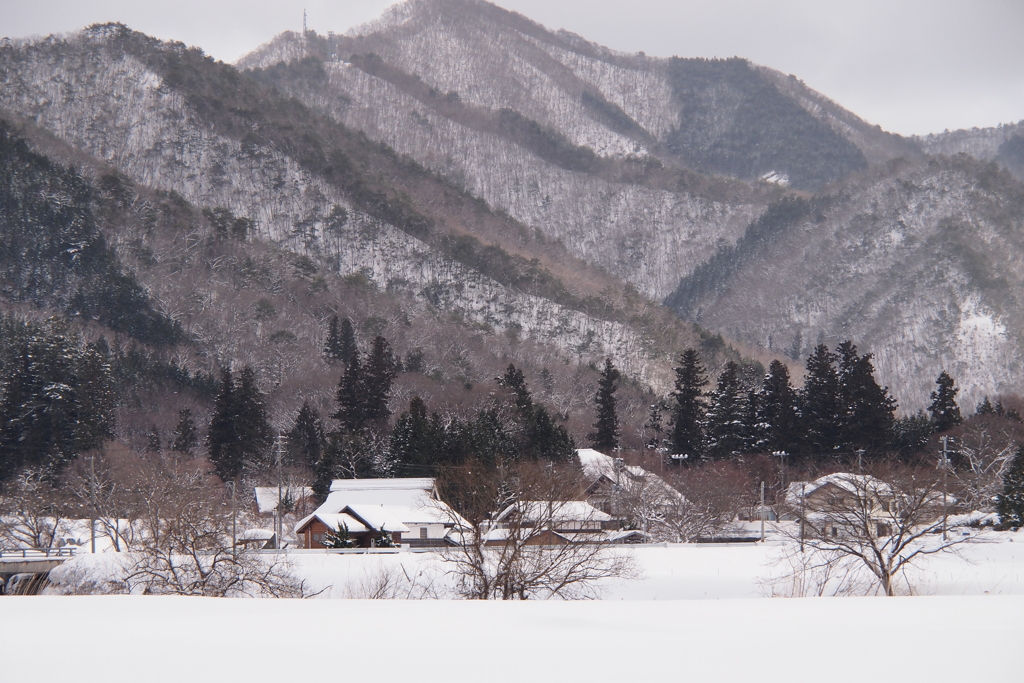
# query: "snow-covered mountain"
{"points": [[919, 262], [173, 120], [446, 81], [636, 163], [531, 183]]}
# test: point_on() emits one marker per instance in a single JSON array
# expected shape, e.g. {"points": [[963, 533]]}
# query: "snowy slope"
{"points": [[93, 95], [919, 264], [645, 235]]}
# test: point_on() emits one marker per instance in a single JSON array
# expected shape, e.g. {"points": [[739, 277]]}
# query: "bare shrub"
{"points": [[390, 582]]}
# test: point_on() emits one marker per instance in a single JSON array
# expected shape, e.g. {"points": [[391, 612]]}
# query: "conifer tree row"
{"points": [[840, 410], [57, 398]]}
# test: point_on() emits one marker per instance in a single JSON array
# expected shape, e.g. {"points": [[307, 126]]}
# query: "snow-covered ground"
{"points": [[698, 613], [993, 565], [132, 638]]}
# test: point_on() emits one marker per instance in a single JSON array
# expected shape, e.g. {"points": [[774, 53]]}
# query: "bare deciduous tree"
{"points": [[32, 512], [984, 451], [522, 557], [187, 547], [692, 503], [861, 532]]}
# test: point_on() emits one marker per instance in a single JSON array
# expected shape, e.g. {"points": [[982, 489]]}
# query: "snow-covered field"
{"points": [[698, 614], [688, 571], [135, 638]]}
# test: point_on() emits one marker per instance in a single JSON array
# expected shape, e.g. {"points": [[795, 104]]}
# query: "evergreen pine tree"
{"points": [[687, 406], [324, 472], [378, 378], [515, 381], [338, 539], [306, 437], [945, 412], [383, 539], [222, 441], [186, 437], [536, 435], [253, 428], [1010, 505], [347, 346], [333, 347], [820, 404], [57, 401], [654, 423], [725, 420], [910, 433], [778, 414], [418, 441], [868, 412], [985, 408], [547, 440], [485, 438], [752, 427], [606, 430], [349, 397]]}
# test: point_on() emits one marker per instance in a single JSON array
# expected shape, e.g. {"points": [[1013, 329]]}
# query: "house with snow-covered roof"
{"points": [[615, 488], [408, 509], [828, 501], [556, 522]]}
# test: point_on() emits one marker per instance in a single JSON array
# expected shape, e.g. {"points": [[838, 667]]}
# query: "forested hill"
{"points": [[251, 221], [53, 254], [919, 261], [629, 161], [634, 164], [183, 122]]}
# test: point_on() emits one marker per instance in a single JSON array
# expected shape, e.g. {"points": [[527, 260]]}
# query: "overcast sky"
{"points": [[912, 66]]}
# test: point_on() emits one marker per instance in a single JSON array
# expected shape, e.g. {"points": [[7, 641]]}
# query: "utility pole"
{"points": [[762, 512], [92, 494], [234, 522], [944, 464], [803, 510], [279, 527]]}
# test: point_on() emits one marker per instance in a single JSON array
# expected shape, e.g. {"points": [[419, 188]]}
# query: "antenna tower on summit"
{"points": [[304, 22]]}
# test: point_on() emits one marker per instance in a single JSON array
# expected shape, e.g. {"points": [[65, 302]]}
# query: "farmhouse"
{"points": [[556, 522], [837, 502], [613, 486], [408, 509]]}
